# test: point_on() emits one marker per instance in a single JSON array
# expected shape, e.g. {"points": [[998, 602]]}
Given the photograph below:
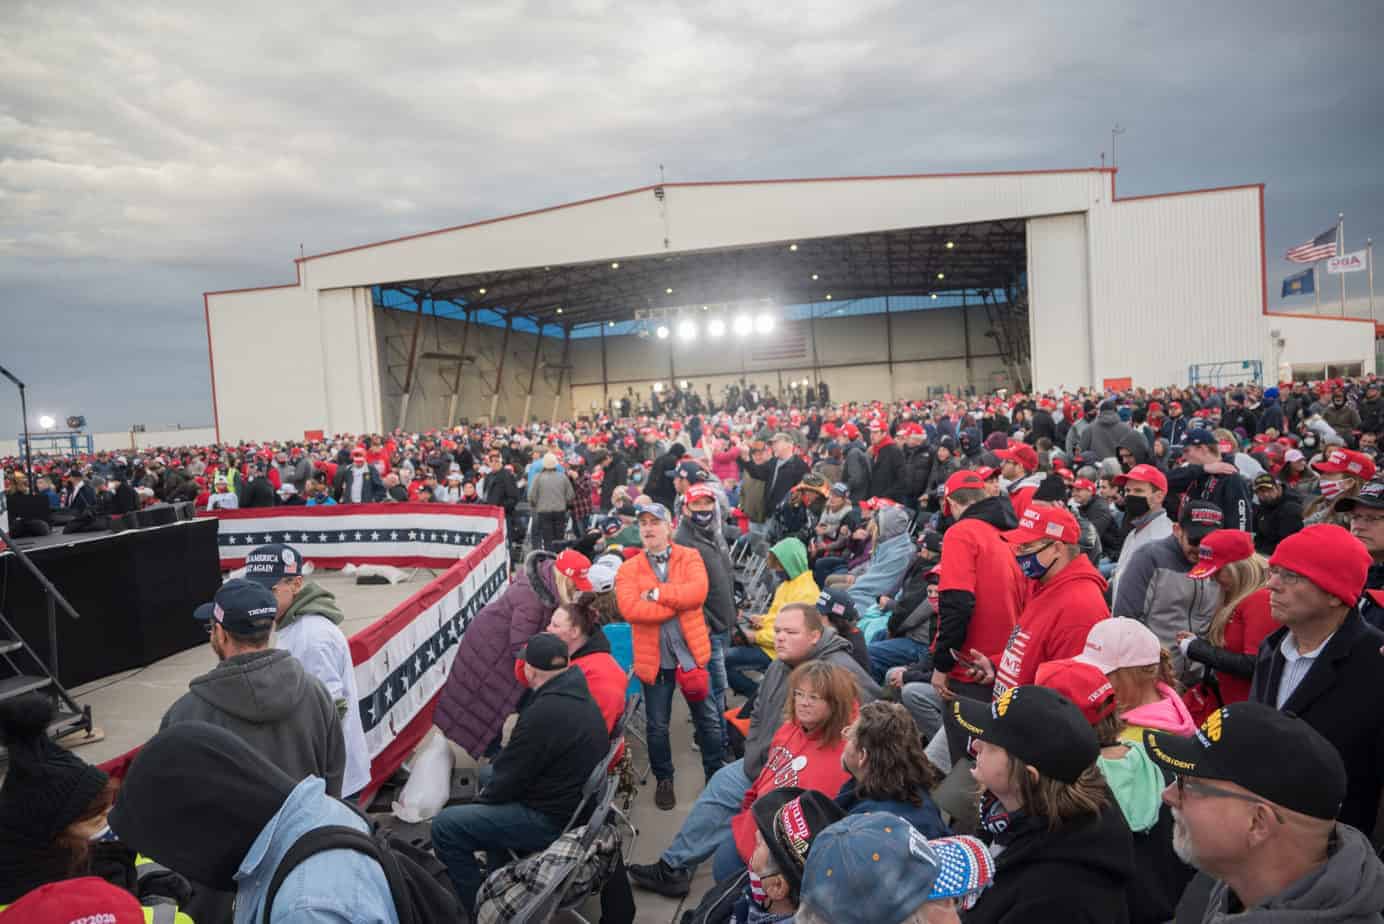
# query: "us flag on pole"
{"points": [[1318, 248]]}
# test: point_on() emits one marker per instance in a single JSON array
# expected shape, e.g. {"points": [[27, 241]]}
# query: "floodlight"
{"points": [[815, 277], [559, 311], [658, 386], [481, 291], [717, 327], [941, 275], [793, 247], [687, 330], [934, 294], [764, 323], [668, 291], [615, 265], [684, 384], [950, 244], [828, 296], [744, 324], [662, 332], [47, 422]]}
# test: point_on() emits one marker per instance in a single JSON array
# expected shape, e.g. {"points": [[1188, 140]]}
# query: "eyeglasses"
{"points": [[808, 697], [1207, 790], [1284, 576]]}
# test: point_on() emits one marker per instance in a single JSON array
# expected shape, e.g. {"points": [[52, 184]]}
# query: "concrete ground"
{"points": [[127, 707]]}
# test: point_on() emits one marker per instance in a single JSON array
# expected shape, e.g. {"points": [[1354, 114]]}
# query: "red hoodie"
{"points": [[1053, 624], [795, 759], [1249, 625]]}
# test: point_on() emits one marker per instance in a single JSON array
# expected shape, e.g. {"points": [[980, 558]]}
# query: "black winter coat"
{"points": [[886, 473], [1232, 493], [257, 492], [615, 474], [1273, 524], [778, 481], [1077, 875], [1342, 698], [557, 742]]}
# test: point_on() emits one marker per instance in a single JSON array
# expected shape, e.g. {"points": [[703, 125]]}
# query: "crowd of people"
{"points": [[1075, 656]]}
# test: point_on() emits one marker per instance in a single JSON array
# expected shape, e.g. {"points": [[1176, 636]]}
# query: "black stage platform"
{"points": [[135, 591]]}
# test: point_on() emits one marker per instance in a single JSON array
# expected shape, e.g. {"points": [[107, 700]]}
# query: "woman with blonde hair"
{"points": [[1340, 475], [1243, 620], [1141, 672]]}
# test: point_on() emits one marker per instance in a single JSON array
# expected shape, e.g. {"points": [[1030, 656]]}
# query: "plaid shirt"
{"points": [[581, 497]]}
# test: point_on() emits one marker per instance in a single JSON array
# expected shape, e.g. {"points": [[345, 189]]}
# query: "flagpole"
{"points": [[1340, 251], [1369, 258], [1316, 288]]}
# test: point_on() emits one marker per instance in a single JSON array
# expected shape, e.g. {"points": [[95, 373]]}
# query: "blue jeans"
{"points": [[827, 566], [895, 652], [726, 862], [658, 708], [708, 824], [458, 832], [720, 641], [745, 658]]}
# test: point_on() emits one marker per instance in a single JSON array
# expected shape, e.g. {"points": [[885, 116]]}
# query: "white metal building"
{"points": [[550, 312]]}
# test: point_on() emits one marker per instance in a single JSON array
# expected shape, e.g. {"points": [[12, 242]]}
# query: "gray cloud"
{"points": [[148, 153]]}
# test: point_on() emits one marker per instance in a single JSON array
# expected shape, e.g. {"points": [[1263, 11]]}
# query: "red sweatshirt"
{"points": [[1053, 624], [795, 759], [1249, 625]]}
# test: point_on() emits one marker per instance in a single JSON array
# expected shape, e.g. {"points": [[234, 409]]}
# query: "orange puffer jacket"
{"points": [[680, 597]]}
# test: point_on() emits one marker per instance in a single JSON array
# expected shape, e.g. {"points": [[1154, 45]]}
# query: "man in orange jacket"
{"points": [[660, 593]]}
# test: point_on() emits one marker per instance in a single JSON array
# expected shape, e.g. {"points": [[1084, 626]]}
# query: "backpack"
{"points": [[418, 881]]}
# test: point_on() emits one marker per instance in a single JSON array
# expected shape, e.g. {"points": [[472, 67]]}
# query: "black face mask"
{"points": [[1135, 506], [702, 517]]}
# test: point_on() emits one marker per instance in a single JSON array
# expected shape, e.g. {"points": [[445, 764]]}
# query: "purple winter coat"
{"points": [[481, 692]]}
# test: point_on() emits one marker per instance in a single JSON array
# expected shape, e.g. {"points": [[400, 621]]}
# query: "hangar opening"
{"points": [[923, 310]]}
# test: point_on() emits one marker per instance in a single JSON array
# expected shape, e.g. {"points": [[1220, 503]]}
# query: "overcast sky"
{"points": [[148, 154]]}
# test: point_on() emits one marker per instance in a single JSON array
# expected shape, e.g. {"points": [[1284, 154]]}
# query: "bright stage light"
{"points": [[684, 384], [481, 291], [559, 311], [658, 386], [950, 245], [687, 330], [941, 275], [815, 277], [764, 323], [717, 328], [828, 296], [610, 323], [668, 291], [47, 422], [934, 294], [744, 324], [793, 247], [662, 332], [615, 265]]}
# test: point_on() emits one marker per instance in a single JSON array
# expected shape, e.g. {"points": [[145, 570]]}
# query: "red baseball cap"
{"points": [[1219, 549], [700, 489], [1356, 464], [1040, 522], [1084, 483], [575, 565], [963, 479], [1022, 453], [852, 431], [89, 898], [911, 429], [1145, 473], [1081, 683]]}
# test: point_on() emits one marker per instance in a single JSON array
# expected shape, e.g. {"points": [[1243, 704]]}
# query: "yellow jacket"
{"points": [[801, 589]]}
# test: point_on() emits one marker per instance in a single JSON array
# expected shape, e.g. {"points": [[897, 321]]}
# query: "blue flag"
{"points": [[1303, 283]]}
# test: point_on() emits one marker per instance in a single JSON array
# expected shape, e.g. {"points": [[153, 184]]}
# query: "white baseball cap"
{"points": [[1119, 642]]}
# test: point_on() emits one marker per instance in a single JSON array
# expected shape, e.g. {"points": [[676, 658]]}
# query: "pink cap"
{"points": [[1115, 643]]}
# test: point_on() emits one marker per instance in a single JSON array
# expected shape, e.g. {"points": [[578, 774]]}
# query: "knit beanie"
{"points": [[47, 788]]}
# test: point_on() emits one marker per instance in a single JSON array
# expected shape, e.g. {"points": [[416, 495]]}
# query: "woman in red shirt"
{"points": [[1242, 621], [805, 752]]}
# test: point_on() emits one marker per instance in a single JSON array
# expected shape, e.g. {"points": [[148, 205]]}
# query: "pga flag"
{"points": [[1352, 262]]}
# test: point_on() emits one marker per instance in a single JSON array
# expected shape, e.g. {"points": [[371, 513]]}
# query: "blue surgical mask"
{"points": [[1030, 565]]}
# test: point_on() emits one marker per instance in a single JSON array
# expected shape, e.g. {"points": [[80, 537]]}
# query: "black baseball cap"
{"points": [[1371, 495], [834, 601], [546, 652], [1039, 726], [1278, 757], [691, 471], [241, 608], [789, 819], [1200, 436], [270, 564], [1265, 480], [1199, 519]]}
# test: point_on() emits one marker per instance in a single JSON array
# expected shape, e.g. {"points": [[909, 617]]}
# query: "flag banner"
{"points": [[788, 345], [1318, 248], [403, 535], [402, 660], [1353, 262], [1303, 283]]}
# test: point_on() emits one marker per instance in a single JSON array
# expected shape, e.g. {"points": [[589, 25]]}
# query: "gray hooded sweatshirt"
{"points": [[268, 701], [1347, 889], [773, 693]]}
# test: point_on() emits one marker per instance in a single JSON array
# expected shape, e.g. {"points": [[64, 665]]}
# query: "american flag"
{"points": [[1318, 248]]}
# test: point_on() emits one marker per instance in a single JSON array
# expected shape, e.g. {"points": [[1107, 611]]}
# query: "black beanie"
{"points": [[1051, 488], [195, 799], [47, 788]]}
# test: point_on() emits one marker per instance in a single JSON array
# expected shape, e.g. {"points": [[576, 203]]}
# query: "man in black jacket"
{"points": [[1091, 506], [917, 465], [613, 474], [256, 491], [886, 466], [1325, 663], [1209, 477], [779, 472], [357, 483], [1277, 515], [536, 787], [660, 484]]}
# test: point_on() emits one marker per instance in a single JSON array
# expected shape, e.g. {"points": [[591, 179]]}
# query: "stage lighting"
{"points": [[706, 307], [662, 332], [793, 247], [950, 245], [559, 311], [717, 328], [610, 323], [481, 291], [828, 296], [934, 294], [764, 323], [687, 330], [815, 277], [615, 265], [658, 386], [941, 275], [684, 384], [47, 422], [743, 325]]}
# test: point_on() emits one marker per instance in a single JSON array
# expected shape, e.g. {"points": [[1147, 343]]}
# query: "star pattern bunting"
{"points": [[375, 705]]}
